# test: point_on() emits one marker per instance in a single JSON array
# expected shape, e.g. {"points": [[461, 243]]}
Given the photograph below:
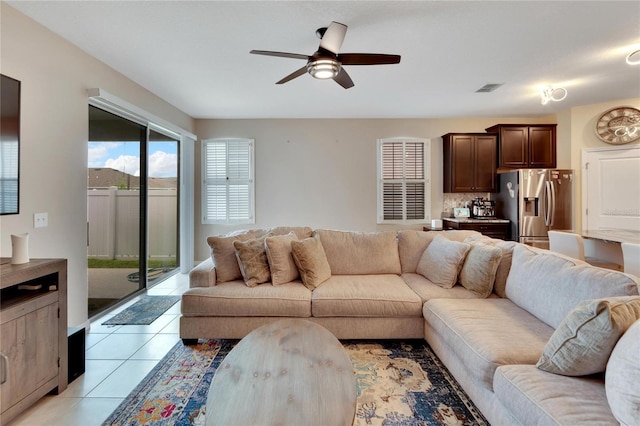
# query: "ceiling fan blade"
{"points": [[280, 54], [343, 79], [368, 59], [293, 75], [333, 37]]}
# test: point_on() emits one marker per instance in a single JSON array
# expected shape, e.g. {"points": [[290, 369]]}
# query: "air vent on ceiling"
{"points": [[489, 87]]}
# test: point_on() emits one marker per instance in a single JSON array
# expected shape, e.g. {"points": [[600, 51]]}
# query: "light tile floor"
{"points": [[117, 359]]}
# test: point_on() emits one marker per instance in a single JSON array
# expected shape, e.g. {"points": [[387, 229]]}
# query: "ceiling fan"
{"points": [[326, 62]]}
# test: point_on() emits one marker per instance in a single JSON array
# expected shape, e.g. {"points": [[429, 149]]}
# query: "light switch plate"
{"points": [[40, 220]]}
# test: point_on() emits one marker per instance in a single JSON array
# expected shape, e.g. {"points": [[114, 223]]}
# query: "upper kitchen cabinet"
{"points": [[470, 162], [526, 146]]}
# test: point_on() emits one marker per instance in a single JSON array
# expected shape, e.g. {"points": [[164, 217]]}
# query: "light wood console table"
{"points": [[33, 333]]}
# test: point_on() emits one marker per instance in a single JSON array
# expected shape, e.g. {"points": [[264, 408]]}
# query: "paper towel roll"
{"points": [[19, 249]]}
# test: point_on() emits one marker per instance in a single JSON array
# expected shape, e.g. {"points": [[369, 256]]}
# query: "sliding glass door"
{"points": [[132, 208], [163, 206]]}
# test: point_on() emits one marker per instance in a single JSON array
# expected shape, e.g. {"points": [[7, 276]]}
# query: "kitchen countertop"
{"points": [[472, 220], [614, 235]]}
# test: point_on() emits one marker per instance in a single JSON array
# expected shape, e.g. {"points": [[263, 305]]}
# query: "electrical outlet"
{"points": [[40, 220]]}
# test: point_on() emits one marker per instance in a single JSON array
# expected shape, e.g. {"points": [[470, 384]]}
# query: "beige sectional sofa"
{"points": [[373, 291], [539, 308]]}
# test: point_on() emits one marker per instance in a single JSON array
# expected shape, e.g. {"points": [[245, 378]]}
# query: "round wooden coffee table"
{"points": [[292, 371]]}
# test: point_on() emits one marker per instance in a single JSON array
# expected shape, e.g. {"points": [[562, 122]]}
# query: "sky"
{"points": [[125, 156]]}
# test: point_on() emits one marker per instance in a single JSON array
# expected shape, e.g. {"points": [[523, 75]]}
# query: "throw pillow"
{"points": [[311, 261], [622, 377], [441, 261], [478, 272], [252, 261], [584, 340], [499, 286], [283, 267], [224, 255]]}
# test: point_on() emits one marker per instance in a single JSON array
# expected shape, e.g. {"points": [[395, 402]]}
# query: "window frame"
{"points": [[250, 181], [404, 180]]}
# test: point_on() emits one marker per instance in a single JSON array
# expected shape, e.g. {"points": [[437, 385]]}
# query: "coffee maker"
{"points": [[483, 209]]}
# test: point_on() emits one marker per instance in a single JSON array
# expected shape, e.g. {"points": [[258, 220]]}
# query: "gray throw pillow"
{"points": [[622, 377], [581, 345], [479, 270], [442, 260]]}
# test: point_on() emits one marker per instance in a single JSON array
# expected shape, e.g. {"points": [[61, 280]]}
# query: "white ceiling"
{"points": [[195, 54]]}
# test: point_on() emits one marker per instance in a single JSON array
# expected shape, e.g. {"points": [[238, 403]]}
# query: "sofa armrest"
{"points": [[203, 275]]}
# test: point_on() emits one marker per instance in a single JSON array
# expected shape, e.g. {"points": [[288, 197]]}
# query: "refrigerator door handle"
{"points": [[553, 203], [547, 203]]}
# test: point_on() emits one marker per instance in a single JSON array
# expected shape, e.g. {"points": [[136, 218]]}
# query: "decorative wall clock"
{"points": [[619, 125]]}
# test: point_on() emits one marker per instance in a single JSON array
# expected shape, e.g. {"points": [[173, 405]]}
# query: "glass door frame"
{"points": [[186, 142], [151, 139]]}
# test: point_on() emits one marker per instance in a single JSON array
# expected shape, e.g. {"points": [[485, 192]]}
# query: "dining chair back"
{"points": [[567, 243], [631, 257], [572, 245]]}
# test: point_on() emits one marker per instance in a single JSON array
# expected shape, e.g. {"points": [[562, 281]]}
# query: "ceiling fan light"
{"points": [[323, 68], [633, 58], [555, 94]]}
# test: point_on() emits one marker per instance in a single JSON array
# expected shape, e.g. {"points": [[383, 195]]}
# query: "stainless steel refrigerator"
{"points": [[535, 201]]}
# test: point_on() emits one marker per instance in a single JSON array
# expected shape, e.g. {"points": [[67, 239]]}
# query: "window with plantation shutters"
{"points": [[403, 184], [227, 183]]}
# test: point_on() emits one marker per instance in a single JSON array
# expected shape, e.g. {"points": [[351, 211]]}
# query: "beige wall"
{"points": [[580, 123], [322, 173], [53, 147]]}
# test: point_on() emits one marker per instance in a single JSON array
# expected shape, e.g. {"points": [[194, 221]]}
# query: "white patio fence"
{"points": [[113, 216]]}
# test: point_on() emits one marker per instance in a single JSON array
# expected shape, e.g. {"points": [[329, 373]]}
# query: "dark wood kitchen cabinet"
{"points": [[525, 145], [491, 228], [470, 162]]}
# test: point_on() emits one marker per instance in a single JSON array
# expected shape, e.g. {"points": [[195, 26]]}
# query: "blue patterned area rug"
{"points": [[144, 311], [398, 383]]}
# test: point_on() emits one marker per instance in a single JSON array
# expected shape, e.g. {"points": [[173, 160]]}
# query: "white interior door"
{"points": [[611, 188]]}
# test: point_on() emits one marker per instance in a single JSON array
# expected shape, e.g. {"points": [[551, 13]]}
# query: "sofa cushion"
{"points": [[442, 260], [384, 295], [283, 267], [360, 253], [311, 261], [252, 260], [584, 340], [622, 377], [235, 299], [535, 397], [412, 243], [500, 284], [487, 333], [428, 290], [550, 285], [224, 255], [478, 272]]}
